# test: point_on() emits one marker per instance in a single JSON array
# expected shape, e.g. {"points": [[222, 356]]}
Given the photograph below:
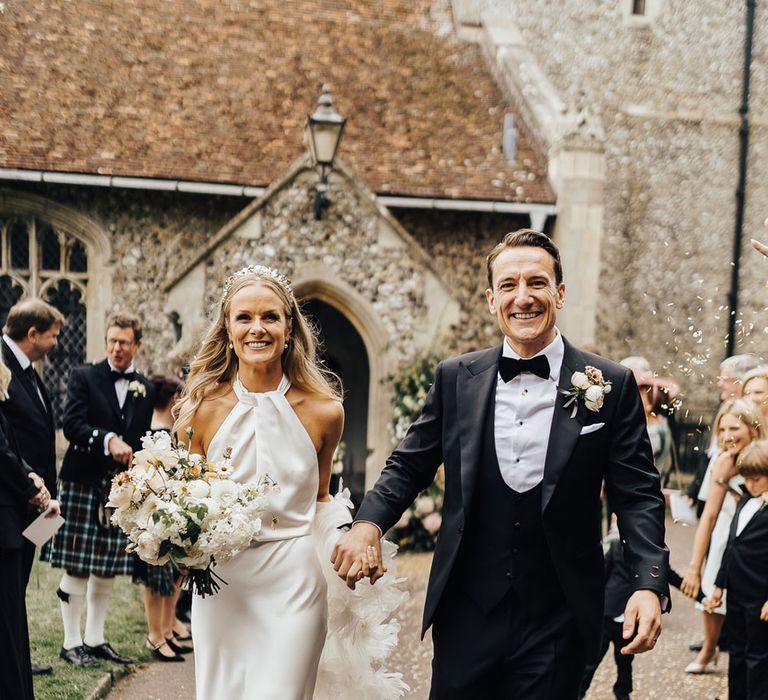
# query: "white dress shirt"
{"points": [[751, 507], [121, 390], [523, 416], [24, 361]]}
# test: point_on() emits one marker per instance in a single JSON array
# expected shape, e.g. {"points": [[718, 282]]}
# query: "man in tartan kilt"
{"points": [[108, 410]]}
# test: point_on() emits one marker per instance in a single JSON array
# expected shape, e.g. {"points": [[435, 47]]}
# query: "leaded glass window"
{"points": [[39, 261]]}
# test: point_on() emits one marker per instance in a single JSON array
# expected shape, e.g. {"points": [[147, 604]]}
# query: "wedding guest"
{"points": [[108, 410], [737, 424], [161, 584], [658, 395], [31, 331], [755, 387], [618, 589], [729, 383], [18, 491], [744, 573]]}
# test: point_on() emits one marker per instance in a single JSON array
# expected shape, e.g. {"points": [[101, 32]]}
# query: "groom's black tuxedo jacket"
{"points": [[31, 421], [450, 431], [91, 411]]}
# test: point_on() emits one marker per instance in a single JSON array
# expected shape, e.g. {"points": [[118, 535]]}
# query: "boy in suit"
{"points": [[108, 410], [744, 572]]}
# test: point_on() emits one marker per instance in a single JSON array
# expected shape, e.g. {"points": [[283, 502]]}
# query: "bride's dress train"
{"points": [[360, 632]]}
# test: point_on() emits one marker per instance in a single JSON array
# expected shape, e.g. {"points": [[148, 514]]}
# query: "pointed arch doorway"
{"points": [[344, 351]]}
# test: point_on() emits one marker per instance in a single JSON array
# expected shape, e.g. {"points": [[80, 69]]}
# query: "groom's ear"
{"points": [[560, 298], [491, 303]]}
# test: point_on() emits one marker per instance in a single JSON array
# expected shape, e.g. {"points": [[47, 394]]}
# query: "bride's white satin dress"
{"points": [[261, 636]]}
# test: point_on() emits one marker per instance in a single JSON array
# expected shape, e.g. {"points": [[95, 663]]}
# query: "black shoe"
{"points": [[162, 657], [178, 648], [41, 670], [695, 647], [104, 651], [78, 656]]}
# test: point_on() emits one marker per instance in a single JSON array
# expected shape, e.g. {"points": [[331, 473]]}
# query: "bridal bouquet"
{"points": [[177, 507]]}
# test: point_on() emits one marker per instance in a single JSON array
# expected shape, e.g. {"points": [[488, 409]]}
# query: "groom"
{"points": [[515, 595]]}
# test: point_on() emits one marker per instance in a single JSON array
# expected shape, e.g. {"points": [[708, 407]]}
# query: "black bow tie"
{"points": [[509, 367], [117, 376]]}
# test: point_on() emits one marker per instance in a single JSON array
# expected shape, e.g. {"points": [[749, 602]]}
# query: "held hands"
{"points": [[714, 602], [357, 554], [643, 613], [120, 451], [764, 612], [691, 583]]}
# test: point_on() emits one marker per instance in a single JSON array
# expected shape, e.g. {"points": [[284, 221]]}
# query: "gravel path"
{"points": [[657, 675]]}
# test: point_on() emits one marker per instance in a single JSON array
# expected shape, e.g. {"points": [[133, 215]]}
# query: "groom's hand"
{"points": [[643, 613], [358, 554]]}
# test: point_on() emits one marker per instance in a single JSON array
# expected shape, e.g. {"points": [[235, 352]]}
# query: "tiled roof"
{"points": [[218, 91]]}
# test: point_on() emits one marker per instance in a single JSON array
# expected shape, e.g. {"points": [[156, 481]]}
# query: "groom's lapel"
{"points": [[565, 429], [475, 384]]}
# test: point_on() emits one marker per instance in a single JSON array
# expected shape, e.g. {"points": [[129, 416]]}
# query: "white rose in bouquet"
{"points": [[224, 491], [148, 548], [198, 488], [122, 496]]}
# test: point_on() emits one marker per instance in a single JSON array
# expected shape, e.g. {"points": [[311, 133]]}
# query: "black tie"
{"points": [[30, 370], [509, 367], [117, 376]]}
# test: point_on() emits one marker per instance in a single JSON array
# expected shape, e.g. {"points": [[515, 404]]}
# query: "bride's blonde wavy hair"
{"points": [[216, 363]]}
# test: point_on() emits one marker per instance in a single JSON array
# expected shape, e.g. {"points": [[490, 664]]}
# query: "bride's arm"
{"points": [[331, 420]]}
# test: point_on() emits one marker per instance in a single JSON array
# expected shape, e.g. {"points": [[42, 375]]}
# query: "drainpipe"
{"points": [[733, 296]]}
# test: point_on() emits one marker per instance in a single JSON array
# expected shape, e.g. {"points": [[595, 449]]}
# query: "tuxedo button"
{"points": [[516, 526], [508, 574], [461, 528], [515, 550]]}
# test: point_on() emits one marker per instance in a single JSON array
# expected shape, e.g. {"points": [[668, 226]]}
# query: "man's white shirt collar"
{"points": [[120, 371], [554, 352], [21, 356]]}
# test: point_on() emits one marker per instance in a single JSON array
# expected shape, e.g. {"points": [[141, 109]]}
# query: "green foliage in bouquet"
{"points": [[417, 530]]}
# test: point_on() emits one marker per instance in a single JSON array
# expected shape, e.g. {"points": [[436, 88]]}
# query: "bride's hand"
{"points": [[358, 554]]}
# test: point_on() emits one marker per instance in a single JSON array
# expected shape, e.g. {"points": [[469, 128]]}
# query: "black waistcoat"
{"points": [[503, 545]]}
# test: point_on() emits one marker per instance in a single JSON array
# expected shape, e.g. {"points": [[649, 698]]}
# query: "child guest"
{"points": [[744, 572]]}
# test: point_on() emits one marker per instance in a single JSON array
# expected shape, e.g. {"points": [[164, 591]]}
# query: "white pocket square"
{"points": [[587, 429]]}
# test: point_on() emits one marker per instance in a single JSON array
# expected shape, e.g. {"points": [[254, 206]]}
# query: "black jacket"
{"points": [[16, 488], [744, 570], [92, 411], [32, 423], [450, 431]]}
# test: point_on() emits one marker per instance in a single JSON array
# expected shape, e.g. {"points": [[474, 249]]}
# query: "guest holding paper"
{"points": [[20, 491], [31, 331]]}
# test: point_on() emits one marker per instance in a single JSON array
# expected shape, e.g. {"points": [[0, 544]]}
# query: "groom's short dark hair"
{"points": [[526, 238]]}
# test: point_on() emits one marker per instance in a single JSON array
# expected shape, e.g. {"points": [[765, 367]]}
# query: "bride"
{"points": [[257, 391]]}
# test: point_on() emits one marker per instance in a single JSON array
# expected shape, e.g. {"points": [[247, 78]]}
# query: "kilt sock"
{"points": [[99, 593], [72, 595]]}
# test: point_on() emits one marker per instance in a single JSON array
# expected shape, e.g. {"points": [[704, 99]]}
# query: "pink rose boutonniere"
{"points": [[588, 386]]}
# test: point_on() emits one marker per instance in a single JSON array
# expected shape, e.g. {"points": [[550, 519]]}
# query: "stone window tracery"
{"points": [[39, 260]]}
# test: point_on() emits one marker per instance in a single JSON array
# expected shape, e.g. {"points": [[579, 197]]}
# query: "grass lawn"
{"points": [[126, 631]]}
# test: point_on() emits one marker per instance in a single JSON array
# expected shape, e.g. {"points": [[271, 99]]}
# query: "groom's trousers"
{"points": [[507, 653]]}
